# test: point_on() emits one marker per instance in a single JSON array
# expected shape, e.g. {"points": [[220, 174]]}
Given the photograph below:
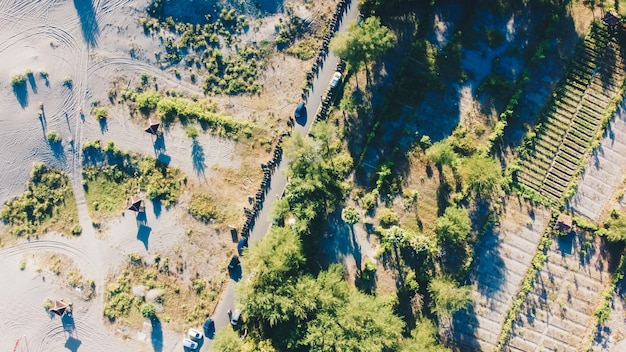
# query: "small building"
{"points": [[610, 19], [563, 223]]}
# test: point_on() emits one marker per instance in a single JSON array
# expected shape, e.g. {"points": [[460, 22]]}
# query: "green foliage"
{"points": [[67, 82], [53, 137], [364, 43], [18, 80], [100, 113], [191, 132], [616, 227], [76, 230], [227, 340], [146, 101], [448, 297], [369, 201], [202, 207], [481, 174], [22, 265], [454, 225], [48, 199], [148, 311], [144, 78], [387, 217], [198, 285], [442, 153], [423, 338], [350, 215], [119, 298], [171, 108]]}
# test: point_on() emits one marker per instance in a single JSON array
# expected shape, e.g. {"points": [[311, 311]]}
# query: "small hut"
{"points": [[153, 128], [610, 19], [563, 223], [135, 204], [59, 307]]}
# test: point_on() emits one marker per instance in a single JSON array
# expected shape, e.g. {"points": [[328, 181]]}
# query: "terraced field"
{"points": [[574, 116], [502, 258], [604, 171], [558, 315]]}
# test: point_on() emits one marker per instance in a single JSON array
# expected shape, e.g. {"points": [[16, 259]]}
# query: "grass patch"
{"points": [[111, 176], [122, 304], [47, 204], [203, 207]]}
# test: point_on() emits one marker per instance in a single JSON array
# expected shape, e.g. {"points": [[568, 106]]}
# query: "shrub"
{"points": [[202, 207], [148, 311], [18, 80], [77, 230], [53, 137], [43, 74], [67, 82], [387, 217], [369, 201], [22, 264], [350, 215], [198, 285], [100, 113], [191, 132]]}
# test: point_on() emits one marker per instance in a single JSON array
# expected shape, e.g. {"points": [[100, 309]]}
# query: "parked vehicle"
{"points": [[243, 243], [234, 318], [209, 326], [189, 344], [194, 334], [300, 111], [234, 262], [335, 81]]}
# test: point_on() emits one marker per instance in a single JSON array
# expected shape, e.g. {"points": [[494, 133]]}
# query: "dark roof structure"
{"points": [[610, 19], [135, 204], [58, 307], [153, 128], [563, 223]]}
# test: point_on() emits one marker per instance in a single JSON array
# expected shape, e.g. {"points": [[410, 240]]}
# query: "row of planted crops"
{"points": [[557, 150]]}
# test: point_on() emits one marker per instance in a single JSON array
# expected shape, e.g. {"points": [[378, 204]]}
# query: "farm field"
{"points": [[502, 258], [558, 314], [603, 173], [575, 115]]}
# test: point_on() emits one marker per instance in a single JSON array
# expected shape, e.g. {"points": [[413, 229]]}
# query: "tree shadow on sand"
{"points": [[197, 154], [88, 22], [156, 337], [21, 93]]}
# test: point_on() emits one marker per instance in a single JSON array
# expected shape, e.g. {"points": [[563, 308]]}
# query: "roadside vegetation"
{"points": [[47, 205]]}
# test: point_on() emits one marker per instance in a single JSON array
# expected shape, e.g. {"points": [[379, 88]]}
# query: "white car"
{"points": [[188, 344], [335, 80], [194, 334]]}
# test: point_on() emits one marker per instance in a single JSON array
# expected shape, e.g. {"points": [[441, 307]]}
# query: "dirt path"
{"points": [[502, 258]]}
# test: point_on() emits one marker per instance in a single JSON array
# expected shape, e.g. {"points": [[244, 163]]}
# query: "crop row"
{"points": [[574, 116]]}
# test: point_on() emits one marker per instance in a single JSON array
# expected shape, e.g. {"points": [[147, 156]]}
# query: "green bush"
{"points": [[17, 80], [77, 230], [148, 311], [100, 113], [202, 207], [53, 137], [387, 217], [68, 82], [191, 131], [350, 215], [369, 201]]}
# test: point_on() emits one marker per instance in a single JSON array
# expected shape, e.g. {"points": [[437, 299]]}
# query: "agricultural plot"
{"points": [[558, 314], [604, 171], [574, 116], [502, 259]]}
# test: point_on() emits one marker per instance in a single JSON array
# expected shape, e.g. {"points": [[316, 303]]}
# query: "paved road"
{"points": [[279, 181]]}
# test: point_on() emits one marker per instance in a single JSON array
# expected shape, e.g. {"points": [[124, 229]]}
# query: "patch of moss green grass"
{"points": [[112, 176], [48, 204]]}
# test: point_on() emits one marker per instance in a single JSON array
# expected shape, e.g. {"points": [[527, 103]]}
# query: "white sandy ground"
{"points": [[47, 35]]}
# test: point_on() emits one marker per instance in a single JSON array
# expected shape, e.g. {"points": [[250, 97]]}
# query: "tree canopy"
{"points": [[448, 297], [226, 340], [423, 338], [442, 153], [454, 225], [364, 43], [616, 227]]}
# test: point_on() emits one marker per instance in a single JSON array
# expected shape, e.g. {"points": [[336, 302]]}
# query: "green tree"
{"points": [[481, 174], [616, 227], [454, 225], [442, 153], [423, 338], [148, 311], [350, 215], [364, 43], [227, 340], [448, 297]]}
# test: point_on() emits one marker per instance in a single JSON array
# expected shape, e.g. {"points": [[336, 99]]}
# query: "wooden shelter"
{"points": [[563, 223], [610, 19], [153, 128], [59, 307], [135, 204]]}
